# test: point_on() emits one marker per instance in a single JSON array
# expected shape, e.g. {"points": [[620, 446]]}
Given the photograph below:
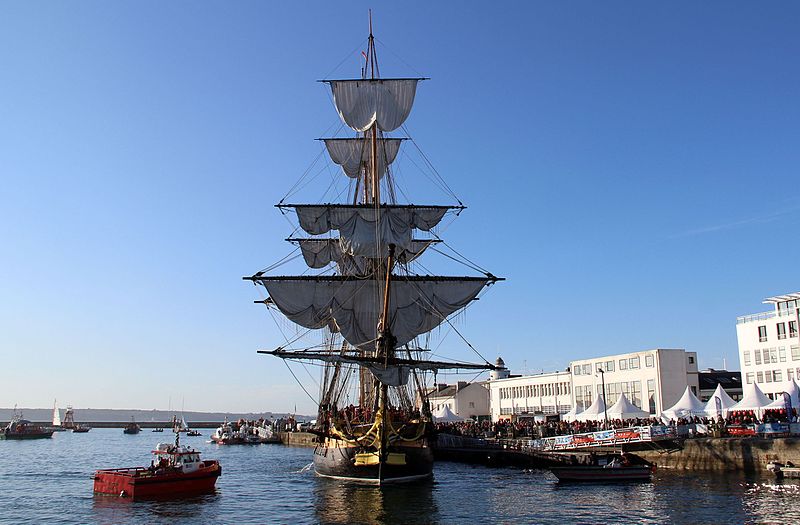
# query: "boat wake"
{"points": [[306, 468]]}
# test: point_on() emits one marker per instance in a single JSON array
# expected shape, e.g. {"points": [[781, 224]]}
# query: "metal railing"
{"points": [[765, 315], [604, 438], [755, 317]]}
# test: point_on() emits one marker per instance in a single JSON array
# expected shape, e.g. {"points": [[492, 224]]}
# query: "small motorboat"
{"points": [[157, 429], [20, 428], [177, 471], [625, 467], [239, 433], [193, 433], [266, 433], [80, 429], [784, 470], [131, 428]]}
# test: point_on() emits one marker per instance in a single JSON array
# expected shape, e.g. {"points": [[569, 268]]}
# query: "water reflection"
{"points": [[344, 502], [772, 502], [112, 510]]}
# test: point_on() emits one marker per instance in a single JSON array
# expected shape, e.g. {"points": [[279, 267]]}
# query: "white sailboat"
{"points": [[57, 426]]}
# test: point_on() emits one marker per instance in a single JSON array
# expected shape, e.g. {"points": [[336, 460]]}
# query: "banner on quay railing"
{"points": [[773, 429]]}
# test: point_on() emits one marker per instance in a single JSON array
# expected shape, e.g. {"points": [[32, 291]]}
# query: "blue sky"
{"points": [[630, 168]]}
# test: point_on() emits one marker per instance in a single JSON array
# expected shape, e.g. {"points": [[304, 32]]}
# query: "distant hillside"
{"points": [[115, 415]]}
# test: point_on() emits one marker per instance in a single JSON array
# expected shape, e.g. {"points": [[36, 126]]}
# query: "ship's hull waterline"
{"points": [[337, 460]]}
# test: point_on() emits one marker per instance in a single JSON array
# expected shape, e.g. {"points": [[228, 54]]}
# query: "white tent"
{"points": [[753, 399], [687, 406], [595, 411], [572, 414], [790, 387], [445, 415], [624, 409], [725, 402]]}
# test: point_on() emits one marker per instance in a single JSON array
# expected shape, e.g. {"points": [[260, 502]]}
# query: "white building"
{"points": [[769, 349], [653, 380], [466, 400], [541, 393]]}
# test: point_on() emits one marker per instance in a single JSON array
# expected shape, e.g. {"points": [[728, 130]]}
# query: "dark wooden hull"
{"points": [[336, 459], [603, 474], [27, 435]]}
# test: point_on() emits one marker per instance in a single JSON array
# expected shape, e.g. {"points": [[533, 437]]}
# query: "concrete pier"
{"points": [[298, 439]]}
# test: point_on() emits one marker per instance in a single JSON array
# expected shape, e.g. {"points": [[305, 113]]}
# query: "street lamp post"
{"points": [[605, 405]]}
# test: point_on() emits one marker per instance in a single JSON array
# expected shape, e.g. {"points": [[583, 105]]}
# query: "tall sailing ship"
{"points": [[375, 313]]}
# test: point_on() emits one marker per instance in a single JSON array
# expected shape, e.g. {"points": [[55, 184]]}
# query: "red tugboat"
{"points": [[176, 471]]}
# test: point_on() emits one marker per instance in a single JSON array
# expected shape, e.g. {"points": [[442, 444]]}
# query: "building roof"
{"points": [[709, 379], [448, 391], [782, 298]]}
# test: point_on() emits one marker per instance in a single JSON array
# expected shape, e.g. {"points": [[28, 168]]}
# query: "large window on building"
{"points": [[777, 376], [762, 334], [636, 393], [757, 353], [787, 305], [633, 362], [587, 370], [623, 364], [609, 366], [747, 357], [790, 374], [795, 352], [760, 377], [750, 377], [651, 394], [773, 355], [782, 354], [781, 330], [649, 361], [792, 328]]}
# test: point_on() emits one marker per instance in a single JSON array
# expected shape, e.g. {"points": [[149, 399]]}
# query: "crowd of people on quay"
{"points": [[527, 427]]}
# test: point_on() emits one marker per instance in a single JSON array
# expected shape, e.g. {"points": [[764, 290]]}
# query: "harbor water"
{"points": [[49, 481]]}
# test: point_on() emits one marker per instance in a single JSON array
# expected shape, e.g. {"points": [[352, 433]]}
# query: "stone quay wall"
{"points": [[742, 454]]}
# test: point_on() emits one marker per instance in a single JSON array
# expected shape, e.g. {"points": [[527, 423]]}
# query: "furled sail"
{"points": [[416, 305], [319, 253], [361, 103], [354, 154], [367, 231]]}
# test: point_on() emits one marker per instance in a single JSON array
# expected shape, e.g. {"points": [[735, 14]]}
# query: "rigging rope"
{"points": [[316, 402], [351, 53], [384, 46]]}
